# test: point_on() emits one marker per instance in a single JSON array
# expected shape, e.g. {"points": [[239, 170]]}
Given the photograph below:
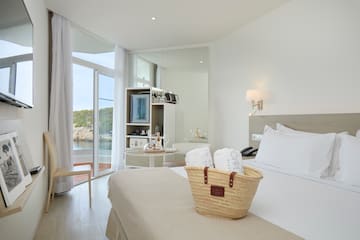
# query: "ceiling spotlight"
{"points": [[201, 62], [153, 18]]}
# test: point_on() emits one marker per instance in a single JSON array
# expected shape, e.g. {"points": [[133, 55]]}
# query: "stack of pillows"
{"points": [[225, 159], [334, 155]]}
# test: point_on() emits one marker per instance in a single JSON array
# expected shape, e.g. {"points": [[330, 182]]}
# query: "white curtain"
{"points": [[118, 133], [60, 119]]}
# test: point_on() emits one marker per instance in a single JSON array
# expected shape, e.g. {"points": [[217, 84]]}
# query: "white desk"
{"points": [[149, 159]]}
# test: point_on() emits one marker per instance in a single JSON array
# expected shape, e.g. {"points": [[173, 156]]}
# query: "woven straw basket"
{"points": [[221, 193]]}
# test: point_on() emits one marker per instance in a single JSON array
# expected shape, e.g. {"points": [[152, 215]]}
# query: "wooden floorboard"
{"points": [[70, 217]]}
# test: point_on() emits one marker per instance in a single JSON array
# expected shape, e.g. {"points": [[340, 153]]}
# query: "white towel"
{"points": [[228, 159], [199, 157]]}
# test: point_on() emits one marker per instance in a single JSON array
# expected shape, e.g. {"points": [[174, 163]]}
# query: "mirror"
{"points": [[16, 54], [185, 73]]}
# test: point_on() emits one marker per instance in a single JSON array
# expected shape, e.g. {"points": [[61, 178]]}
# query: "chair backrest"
{"points": [[49, 141]]}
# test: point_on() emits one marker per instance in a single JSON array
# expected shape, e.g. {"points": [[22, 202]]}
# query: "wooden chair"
{"points": [[55, 172]]}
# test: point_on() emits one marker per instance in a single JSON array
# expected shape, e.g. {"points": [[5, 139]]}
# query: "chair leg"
{"points": [[53, 191], [49, 194], [89, 180]]}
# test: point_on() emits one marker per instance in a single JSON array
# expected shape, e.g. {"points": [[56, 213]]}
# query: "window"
{"points": [[93, 103], [16, 71], [144, 73]]}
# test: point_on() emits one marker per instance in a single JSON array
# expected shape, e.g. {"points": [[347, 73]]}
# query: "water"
{"points": [[85, 145], [83, 151]]}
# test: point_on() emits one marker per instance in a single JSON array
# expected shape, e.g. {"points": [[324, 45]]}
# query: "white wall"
{"points": [[305, 54], [192, 109], [23, 225]]}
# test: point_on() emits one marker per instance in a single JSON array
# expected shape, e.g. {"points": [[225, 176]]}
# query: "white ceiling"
{"points": [[180, 59], [179, 22], [13, 13]]}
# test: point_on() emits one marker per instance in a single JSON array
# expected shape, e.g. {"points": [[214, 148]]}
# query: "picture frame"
{"points": [[140, 108], [138, 142], [11, 177], [18, 146]]}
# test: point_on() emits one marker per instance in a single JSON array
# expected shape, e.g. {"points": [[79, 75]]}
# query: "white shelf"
{"points": [[139, 136], [161, 114], [138, 124], [136, 136], [157, 104], [138, 89], [19, 204]]}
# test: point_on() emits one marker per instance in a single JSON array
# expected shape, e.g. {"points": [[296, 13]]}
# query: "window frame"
{"points": [[97, 69], [145, 82]]}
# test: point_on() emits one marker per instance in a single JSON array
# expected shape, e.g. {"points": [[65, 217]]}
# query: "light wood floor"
{"points": [[70, 217]]}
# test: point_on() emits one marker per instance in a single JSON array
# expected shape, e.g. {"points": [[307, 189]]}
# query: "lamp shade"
{"points": [[253, 95]]}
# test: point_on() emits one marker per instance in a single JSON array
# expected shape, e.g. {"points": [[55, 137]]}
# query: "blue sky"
{"points": [[83, 89], [9, 49], [23, 71]]}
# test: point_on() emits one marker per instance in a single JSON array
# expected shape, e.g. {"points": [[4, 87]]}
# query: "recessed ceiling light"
{"points": [[201, 62], [153, 18]]}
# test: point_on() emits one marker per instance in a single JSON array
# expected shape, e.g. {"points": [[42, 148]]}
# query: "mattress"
{"points": [[309, 207], [156, 204]]}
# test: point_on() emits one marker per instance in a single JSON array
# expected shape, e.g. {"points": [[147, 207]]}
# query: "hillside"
{"points": [[83, 123]]}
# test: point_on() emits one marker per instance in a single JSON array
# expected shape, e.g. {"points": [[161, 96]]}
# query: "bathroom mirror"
{"points": [[16, 54]]}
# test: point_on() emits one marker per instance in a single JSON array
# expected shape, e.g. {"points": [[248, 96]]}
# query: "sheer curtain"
{"points": [[60, 119], [118, 136]]}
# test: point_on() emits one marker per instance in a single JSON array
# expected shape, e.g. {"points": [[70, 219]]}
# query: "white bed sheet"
{"points": [[309, 207]]}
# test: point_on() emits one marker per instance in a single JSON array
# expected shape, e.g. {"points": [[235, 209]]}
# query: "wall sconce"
{"points": [[255, 97]]}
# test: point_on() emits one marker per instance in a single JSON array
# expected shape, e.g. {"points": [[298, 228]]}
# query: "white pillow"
{"points": [[199, 157], [358, 133], [334, 163], [349, 160], [285, 129], [228, 159], [309, 155]]}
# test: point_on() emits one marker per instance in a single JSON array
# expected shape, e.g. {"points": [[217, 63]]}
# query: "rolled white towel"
{"points": [[199, 157], [228, 159]]}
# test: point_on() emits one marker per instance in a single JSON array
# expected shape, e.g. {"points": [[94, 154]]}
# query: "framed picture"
{"points": [[138, 142], [11, 177], [17, 144], [140, 112]]}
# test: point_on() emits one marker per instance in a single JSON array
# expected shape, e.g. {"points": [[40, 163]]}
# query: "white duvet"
{"points": [[309, 207]]}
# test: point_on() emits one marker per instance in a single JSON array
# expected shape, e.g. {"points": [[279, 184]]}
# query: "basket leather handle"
{"points": [[231, 179], [206, 175]]}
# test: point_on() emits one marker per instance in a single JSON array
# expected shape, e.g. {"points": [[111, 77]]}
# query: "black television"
{"points": [[16, 54]]}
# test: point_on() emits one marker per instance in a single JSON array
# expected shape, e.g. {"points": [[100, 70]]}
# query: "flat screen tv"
{"points": [[16, 54]]}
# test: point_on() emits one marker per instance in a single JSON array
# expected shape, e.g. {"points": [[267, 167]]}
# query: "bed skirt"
{"points": [[114, 228]]}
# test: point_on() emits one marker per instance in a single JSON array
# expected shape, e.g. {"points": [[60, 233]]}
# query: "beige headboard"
{"points": [[319, 123]]}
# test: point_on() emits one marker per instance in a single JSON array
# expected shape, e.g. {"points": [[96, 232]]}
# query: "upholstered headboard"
{"points": [[319, 123]]}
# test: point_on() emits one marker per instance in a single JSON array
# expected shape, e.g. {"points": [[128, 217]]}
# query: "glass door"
{"points": [[83, 118], [104, 123]]}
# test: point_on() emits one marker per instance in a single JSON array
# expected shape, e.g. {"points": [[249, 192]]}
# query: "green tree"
{"points": [[84, 118]]}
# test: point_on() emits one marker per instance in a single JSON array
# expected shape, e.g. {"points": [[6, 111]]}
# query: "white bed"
{"points": [[156, 204], [309, 207], [312, 208]]}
